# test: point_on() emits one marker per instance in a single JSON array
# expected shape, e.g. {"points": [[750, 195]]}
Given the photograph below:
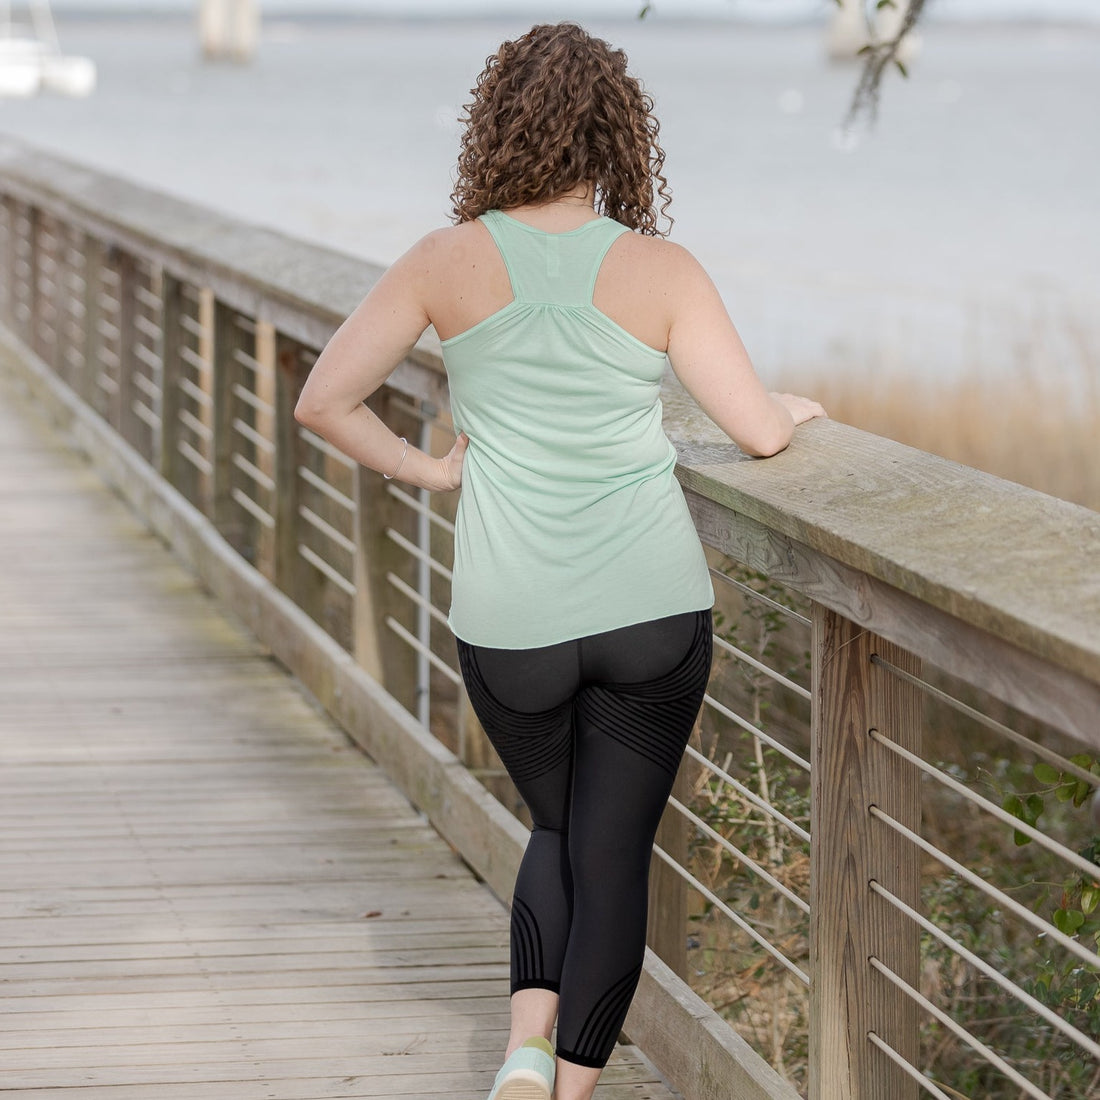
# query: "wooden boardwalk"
{"points": [[205, 890]]}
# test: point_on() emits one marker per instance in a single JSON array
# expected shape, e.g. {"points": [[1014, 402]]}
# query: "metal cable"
{"points": [[1045, 928], [959, 1031], [990, 972], [1007, 732], [1083, 865], [741, 923]]}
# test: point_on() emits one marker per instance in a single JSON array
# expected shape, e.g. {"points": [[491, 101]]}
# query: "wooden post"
{"points": [[69, 345], [225, 373], [34, 294], [266, 388], [168, 459], [94, 259], [128, 425], [288, 384], [48, 291], [849, 848], [386, 657], [668, 891], [8, 258]]}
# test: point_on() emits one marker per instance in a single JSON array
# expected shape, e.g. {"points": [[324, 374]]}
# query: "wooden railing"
{"points": [[904, 718]]}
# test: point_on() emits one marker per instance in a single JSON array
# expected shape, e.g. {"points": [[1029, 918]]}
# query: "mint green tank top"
{"points": [[570, 521]]}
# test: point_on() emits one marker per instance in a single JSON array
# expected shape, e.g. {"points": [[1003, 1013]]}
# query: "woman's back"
{"points": [[468, 281], [570, 522]]}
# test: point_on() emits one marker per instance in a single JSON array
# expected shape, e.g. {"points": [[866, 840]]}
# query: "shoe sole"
{"points": [[523, 1084]]}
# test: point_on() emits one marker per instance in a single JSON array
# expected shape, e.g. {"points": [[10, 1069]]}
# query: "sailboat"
{"points": [[31, 58]]}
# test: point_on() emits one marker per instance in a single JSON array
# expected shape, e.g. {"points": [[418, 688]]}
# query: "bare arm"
{"points": [[709, 359], [358, 359]]}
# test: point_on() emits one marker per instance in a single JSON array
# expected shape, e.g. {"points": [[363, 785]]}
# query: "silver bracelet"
{"points": [[404, 455]]}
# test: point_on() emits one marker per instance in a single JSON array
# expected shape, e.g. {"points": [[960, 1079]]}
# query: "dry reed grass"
{"points": [[1025, 429]]}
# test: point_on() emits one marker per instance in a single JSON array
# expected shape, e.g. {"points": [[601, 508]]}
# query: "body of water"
{"points": [[963, 234]]}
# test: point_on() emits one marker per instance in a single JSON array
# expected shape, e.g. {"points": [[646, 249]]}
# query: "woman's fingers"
{"points": [[800, 408], [454, 461]]}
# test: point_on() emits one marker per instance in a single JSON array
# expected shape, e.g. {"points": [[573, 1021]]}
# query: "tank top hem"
{"points": [[641, 615]]}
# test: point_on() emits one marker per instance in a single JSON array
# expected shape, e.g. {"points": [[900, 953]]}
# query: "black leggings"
{"points": [[591, 732]]}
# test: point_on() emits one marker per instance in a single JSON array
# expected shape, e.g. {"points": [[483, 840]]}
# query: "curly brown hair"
{"points": [[552, 110]]}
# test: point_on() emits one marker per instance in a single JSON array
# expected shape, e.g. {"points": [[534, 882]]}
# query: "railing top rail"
{"points": [[1016, 563]]}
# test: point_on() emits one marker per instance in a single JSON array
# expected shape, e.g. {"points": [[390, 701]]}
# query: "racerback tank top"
{"points": [[570, 521]]}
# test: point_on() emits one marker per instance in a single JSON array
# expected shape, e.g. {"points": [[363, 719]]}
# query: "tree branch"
{"points": [[879, 56]]}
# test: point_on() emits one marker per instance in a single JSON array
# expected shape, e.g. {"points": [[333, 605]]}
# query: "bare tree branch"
{"points": [[879, 56]]}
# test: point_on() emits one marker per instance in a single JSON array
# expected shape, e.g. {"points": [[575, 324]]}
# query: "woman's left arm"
{"points": [[362, 353]]}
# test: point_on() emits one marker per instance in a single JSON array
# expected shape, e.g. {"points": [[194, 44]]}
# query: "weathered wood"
{"points": [[288, 384], [212, 894], [266, 387], [665, 1015], [228, 338], [95, 257], [1007, 560], [388, 659], [128, 425], [168, 461], [668, 891], [849, 850], [1032, 685]]}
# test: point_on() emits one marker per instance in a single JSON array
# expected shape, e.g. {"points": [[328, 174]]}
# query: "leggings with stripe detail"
{"points": [[591, 732]]}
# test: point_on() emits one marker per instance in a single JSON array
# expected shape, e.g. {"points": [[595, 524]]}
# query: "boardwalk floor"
{"points": [[205, 890]]}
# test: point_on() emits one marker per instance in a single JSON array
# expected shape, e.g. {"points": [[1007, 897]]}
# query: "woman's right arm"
{"points": [[712, 364]]}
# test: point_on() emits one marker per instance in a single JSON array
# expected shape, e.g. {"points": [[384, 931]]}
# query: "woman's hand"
{"points": [[800, 408], [450, 465]]}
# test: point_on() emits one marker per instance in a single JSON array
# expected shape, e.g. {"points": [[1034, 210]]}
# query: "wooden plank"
{"points": [[205, 889], [690, 1040]]}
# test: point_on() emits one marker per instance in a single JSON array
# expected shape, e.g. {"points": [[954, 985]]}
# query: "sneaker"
{"points": [[527, 1074]]}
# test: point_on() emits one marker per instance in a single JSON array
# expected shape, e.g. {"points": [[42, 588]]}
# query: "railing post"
{"points": [[128, 423], [225, 374], [376, 556], [168, 459], [7, 258], [94, 258], [850, 924], [668, 891], [34, 291], [288, 384]]}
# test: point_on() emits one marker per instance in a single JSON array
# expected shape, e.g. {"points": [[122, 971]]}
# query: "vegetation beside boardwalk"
{"points": [[767, 1003]]}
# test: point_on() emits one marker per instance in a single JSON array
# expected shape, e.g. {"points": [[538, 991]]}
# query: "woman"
{"points": [[581, 598]]}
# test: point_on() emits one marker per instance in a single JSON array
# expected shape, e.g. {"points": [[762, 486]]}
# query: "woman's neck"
{"points": [[563, 212]]}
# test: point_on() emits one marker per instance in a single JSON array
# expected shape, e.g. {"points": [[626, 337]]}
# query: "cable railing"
{"points": [[878, 862]]}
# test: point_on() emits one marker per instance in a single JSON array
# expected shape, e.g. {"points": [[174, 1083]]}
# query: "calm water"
{"points": [[963, 234]]}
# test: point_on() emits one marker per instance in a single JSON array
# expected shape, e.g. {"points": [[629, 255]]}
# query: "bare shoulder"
{"points": [[447, 243], [655, 259]]}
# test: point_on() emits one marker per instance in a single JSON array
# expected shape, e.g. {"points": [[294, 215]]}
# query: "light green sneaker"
{"points": [[527, 1074]]}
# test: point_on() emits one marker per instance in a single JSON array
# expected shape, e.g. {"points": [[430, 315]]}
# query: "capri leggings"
{"points": [[591, 732]]}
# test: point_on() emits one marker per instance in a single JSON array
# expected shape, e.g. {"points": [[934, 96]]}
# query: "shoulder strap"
{"points": [[552, 268]]}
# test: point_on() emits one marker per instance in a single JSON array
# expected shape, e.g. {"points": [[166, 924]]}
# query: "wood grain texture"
{"points": [[1010, 561], [205, 889], [849, 850], [696, 1050], [1034, 685]]}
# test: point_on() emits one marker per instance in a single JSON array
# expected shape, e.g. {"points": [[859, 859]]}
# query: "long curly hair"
{"points": [[552, 110]]}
